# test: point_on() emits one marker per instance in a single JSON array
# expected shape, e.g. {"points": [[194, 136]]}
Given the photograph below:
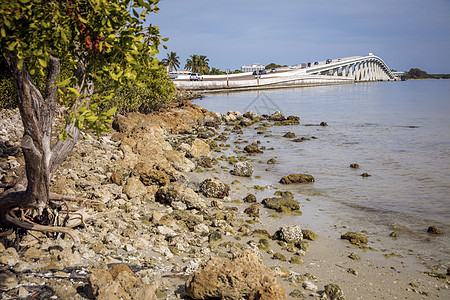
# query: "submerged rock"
{"points": [[354, 166], [252, 210], [297, 178], [355, 238], [289, 135], [252, 148], [250, 198], [434, 230], [229, 279], [281, 204]]}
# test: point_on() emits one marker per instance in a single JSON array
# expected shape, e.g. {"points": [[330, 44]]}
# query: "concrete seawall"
{"points": [[214, 86]]}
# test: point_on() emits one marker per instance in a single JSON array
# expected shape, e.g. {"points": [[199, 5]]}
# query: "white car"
{"points": [[196, 77]]}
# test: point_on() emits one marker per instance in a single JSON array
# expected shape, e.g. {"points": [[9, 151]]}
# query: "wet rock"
{"points": [[334, 292], [323, 124], [200, 148], [8, 280], [284, 194], [232, 116], [205, 162], [393, 234], [354, 256], [118, 283], [297, 178], [289, 135], [250, 198], [252, 148], [271, 161], [134, 188], [214, 188], [302, 139], [279, 256], [355, 238], [252, 116], [179, 161], [309, 235], [309, 286], [268, 292], [252, 210], [289, 234], [243, 169], [229, 279], [354, 166], [277, 116], [434, 230], [365, 175], [295, 259], [285, 205], [296, 293], [177, 192]]}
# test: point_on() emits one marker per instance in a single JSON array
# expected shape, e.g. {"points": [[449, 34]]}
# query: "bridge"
{"points": [[358, 68], [335, 71]]}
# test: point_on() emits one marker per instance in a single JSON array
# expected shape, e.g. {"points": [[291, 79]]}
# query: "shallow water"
{"points": [[398, 132]]}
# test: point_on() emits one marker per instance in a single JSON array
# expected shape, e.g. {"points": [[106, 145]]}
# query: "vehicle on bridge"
{"points": [[329, 60], [195, 77]]}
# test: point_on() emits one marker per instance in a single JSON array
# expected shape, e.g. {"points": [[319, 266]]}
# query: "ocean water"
{"points": [[398, 132]]}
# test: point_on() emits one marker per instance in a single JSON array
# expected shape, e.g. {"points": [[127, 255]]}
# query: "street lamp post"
{"points": [[228, 71]]}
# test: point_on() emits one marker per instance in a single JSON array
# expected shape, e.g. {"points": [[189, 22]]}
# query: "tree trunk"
{"points": [[37, 113]]}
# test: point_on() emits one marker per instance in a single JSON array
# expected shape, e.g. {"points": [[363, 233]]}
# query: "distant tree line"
{"points": [[416, 73]]}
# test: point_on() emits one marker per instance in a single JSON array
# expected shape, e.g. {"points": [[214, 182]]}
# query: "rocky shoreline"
{"points": [[170, 217]]}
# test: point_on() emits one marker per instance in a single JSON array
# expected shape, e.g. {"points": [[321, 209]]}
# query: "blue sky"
{"points": [[232, 33]]}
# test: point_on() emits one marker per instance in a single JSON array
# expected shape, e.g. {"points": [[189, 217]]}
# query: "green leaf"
{"points": [[64, 83], [74, 92], [3, 32], [111, 111]]}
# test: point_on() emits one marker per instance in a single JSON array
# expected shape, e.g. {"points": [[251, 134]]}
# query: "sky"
{"points": [[231, 33]]}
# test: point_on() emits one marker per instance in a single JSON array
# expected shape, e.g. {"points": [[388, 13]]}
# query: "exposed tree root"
{"points": [[7, 232], [28, 225]]}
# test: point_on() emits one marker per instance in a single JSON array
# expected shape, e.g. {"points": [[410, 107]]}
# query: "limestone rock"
{"points": [[8, 280], [177, 192], [252, 210], [243, 168], [252, 148], [290, 234], [250, 198], [179, 161], [268, 292], [134, 188], [229, 279], [214, 188], [200, 148], [118, 283], [297, 178], [355, 238], [334, 292], [281, 204], [9, 257], [277, 116]]}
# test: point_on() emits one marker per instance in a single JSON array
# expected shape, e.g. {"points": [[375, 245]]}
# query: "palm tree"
{"points": [[197, 63], [171, 62]]}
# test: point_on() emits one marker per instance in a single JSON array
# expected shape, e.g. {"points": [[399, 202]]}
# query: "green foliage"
{"points": [[197, 63], [172, 61], [107, 36], [272, 66], [416, 73], [158, 91]]}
